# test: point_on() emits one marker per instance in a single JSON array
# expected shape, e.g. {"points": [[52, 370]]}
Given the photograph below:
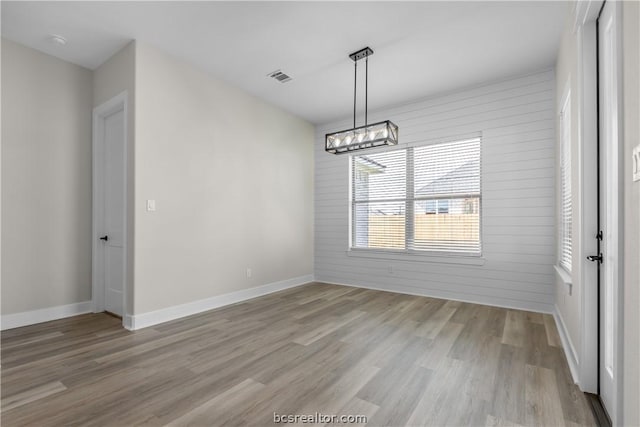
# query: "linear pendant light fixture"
{"points": [[367, 136]]}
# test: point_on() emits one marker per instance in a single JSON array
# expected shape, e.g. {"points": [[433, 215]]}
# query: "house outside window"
{"points": [[436, 206]]}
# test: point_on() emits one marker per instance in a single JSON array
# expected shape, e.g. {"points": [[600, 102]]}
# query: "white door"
{"points": [[610, 210], [114, 212], [109, 211]]}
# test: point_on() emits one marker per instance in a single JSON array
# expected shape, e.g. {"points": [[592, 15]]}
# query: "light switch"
{"points": [[151, 205], [635, 161]]}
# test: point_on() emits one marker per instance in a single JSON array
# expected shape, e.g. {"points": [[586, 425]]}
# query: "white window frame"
{"points": [[400, 254], [565, 234]]}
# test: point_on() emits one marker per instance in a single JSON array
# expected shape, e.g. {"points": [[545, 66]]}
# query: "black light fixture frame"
{"points": [[392, 129]]}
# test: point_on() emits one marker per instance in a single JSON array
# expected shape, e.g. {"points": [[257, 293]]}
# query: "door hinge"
{"points": [[599, 235]]}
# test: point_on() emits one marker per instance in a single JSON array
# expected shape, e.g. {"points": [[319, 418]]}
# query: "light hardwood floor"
{"points": [[397, 359]]}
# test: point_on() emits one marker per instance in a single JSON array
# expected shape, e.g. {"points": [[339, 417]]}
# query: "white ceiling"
{"points": [[421, 48]]}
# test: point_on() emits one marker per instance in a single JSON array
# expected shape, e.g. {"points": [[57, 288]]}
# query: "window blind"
{"points": [[424, 198], [565, 190], [379, 196]]}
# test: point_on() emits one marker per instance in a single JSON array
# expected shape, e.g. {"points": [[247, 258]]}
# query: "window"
{"points": [[437, 206], [424, 198], [565, 185]]}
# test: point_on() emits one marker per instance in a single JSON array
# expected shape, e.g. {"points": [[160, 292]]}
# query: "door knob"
{"points": [[105, 238], [594, 258]]}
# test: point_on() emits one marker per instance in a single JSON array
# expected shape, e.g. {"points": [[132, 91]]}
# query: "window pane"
{"points": [[455, 230], [447, 169], [379, 176], [379, 225]]}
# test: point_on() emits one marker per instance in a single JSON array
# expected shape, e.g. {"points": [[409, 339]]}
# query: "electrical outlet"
{"points": [[248, 273]]}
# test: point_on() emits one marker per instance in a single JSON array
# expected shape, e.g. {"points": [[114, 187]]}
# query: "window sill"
{"points": [[417, 257], [563, 274], [565, 277]]}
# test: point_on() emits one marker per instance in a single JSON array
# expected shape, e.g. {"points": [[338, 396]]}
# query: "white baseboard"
{"points": [[567, 344], [143, 320], [25, 318], [534, 307]]}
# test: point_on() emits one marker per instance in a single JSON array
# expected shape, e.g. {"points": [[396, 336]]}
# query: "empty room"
{"points": [[230, 213]]}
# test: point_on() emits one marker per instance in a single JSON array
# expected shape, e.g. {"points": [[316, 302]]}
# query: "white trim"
{"points": [[567, 345], [586, 12], [426, 142], [565, 277], [429, 293], [416, 256], [26, 318], [127, 322], [144, 320], [117, 103]]}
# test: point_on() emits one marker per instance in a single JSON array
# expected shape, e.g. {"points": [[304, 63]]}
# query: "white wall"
{"points": [[232, 178], [631, 291], [111, 78], [516, 118], [46, 181]]}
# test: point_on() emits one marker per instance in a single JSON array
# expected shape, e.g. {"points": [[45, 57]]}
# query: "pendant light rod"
{"points": [[356, 56], [355, 88], [366, 89]]}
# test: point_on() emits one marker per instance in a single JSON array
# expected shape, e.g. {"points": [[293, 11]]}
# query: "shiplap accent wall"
{"points": [[516, 120]]}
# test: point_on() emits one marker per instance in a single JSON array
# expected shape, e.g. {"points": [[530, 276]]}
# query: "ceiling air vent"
{"points": [[279, 76]]}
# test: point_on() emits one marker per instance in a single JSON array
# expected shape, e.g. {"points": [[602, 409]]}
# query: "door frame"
{"points": [[585, 28], [100, 113], [615, 412]]}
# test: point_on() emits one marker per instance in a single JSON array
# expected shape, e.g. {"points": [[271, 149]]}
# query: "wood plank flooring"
{"points": [[396, 359]]}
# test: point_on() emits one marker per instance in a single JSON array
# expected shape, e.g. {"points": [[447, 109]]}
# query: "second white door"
{"points": [[114, 212]]}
